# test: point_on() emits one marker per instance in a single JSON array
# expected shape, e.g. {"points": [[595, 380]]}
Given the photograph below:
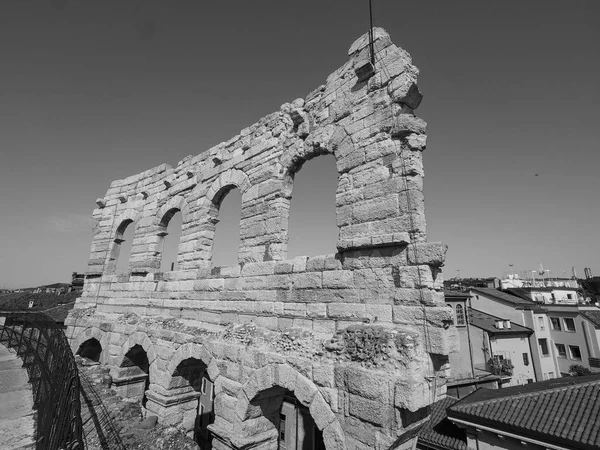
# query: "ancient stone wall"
{"points": [[361, 337]]}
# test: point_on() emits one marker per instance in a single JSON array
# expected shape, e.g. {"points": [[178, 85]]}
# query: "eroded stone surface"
{"points": [[351, 334]]}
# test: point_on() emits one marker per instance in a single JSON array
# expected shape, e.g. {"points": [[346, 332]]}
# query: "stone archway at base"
{"points": [[263, 394]]}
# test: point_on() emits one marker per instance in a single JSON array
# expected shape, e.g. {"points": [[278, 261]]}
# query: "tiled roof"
{"points": [[592, 316], [440, 431], [59, 313], [564, 411], [510, 298], [487, 322], [454, 293]]}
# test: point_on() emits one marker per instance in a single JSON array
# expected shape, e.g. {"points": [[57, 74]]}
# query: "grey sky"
{"points": [[95, 91]]}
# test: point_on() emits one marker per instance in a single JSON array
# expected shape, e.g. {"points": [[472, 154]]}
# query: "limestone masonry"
{"points": [[356, 341]]}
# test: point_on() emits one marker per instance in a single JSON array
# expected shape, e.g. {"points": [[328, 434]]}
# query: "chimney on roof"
{"points": [[507, 324], [500, 324]]}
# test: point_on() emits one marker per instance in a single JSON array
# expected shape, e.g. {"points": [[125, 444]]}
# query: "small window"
{"points": [[529, 380], [550, 375], [555, 322], [282, 427], [575, 352], [570, 296], [569, 325], [460, 314], [544, 346], [541, 323], [526, 359], [203, 388], [561, 350]]}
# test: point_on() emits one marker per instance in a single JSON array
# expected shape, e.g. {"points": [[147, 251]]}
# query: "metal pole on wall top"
{"points": [[371, 33]]}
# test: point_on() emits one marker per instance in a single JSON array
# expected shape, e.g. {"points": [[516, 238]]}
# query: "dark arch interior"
{"points": [[189, 372], [90, 349], [192, 372], [295, 426], [136, 360]]}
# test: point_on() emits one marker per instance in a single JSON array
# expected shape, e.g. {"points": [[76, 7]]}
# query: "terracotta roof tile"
{"points": [[439, 431], [562, 411], [507, 297]]}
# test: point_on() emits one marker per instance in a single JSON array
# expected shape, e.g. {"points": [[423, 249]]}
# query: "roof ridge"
{"points": [[521, 395]]}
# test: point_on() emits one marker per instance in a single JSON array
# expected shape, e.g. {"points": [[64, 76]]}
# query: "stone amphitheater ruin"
{"points": [[340, 351]]}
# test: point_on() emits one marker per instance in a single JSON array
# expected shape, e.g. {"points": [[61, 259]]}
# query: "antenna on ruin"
{"points": [[371, 49]]}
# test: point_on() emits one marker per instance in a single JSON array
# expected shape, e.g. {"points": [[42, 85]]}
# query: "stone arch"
{"points": [[174, 205], [209, 208], [328, 140], [196, 351], [124, 220], [228, 179], [285, 377], [191, 374], [140, 338], [92, 333]]}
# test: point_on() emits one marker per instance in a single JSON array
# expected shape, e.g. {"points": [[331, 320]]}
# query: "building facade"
{"points": [[494, 352], [564, 333]]}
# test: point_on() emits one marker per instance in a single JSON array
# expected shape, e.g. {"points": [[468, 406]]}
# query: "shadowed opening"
{"points": [[192, 373], [90, 349], [296, 429], [136, 364]]}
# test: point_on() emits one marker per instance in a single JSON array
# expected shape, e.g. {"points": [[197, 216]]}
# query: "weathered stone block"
{"points": [[338, 279], [308, 280], [430, 253], [323, 374], [366, 383]]}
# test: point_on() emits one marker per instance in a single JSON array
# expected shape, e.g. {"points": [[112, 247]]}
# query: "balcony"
{"points": [[499, 365]]}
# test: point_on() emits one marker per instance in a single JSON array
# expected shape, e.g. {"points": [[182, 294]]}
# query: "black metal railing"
{"points": [[43, 347]]}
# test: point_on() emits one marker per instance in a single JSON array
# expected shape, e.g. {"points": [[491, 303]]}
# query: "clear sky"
{"points": [[92, 91]]}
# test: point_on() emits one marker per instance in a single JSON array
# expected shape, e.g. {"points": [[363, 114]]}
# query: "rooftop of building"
{"points": [[456, 294], [507, 297], [440, 432], [563, 411], [592, 316], [488, 322]]}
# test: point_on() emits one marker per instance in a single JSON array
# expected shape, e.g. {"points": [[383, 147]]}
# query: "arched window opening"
{"points": [[312, 227], [460, 314], [296, 429], [172, 223], [90, 349], [137, 368], [192, 372], [122, 248], [226, 242]]}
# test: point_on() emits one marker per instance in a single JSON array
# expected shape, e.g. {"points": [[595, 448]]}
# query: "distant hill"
{"points": [[19, 301]]}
